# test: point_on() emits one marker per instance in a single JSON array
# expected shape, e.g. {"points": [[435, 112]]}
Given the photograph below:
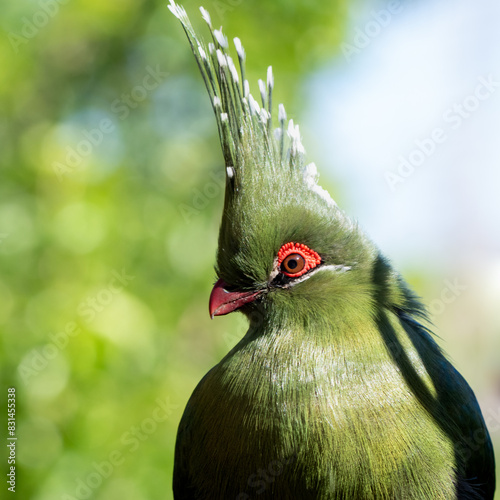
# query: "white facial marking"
{"points": [[332, 268]]}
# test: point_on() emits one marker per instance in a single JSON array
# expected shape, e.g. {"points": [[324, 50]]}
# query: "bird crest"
{"points": [[272, 195], [246, 128]]}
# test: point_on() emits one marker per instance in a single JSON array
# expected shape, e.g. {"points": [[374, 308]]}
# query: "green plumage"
{"points": [[336, 391]]}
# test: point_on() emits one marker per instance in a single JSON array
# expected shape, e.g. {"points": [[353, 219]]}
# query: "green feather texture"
{"points": [[337, 390], [267, 178]]}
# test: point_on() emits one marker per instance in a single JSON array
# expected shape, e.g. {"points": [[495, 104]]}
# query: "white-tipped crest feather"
{"points": [[221, 58], [239, 48], [311, 179], [232, 68], [281, 113], [221, 38], [206, 16], [263, 91], [254, 105], [176, 10], [270, 78], [202, 52]]}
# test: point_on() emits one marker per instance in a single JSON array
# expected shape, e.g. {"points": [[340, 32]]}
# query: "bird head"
{"points": [[285, 248]]}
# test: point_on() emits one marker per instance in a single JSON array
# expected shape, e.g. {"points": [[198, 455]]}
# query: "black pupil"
{"points": [[292, 263]]}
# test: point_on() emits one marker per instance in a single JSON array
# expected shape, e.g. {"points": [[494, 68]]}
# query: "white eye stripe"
{"points": [[336, 269]]}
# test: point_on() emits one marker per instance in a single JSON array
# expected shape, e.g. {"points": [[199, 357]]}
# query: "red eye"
{"points": [[295, 259]]}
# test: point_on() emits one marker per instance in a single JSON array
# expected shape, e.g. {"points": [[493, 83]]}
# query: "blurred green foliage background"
{"points": [[110, 198]]}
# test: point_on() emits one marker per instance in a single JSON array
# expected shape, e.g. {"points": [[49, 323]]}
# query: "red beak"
{"points": [[223, 302]]}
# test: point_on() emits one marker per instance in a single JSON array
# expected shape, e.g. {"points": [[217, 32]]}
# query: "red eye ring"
{"points": [[311, 258]]}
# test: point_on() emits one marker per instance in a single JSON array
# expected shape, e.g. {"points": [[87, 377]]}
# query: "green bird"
{"points": [[338, 389]]}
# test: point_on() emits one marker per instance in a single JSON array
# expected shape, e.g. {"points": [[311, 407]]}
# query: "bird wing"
{"points": [[456, 411]]}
